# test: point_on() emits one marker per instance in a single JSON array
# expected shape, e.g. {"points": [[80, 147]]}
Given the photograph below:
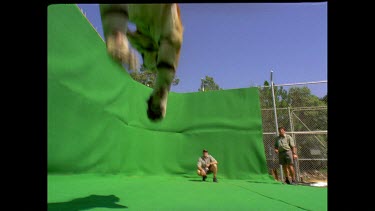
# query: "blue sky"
{"points": [[238, 44]]}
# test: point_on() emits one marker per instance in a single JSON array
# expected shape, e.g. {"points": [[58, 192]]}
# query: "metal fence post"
{"points": [[296, 164], [275, 113]]}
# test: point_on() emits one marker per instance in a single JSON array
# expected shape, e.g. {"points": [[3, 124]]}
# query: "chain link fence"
{"points": [[304, 115]]}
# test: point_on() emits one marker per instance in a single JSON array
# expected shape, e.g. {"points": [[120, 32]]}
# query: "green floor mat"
{"points": [[111, 192]]}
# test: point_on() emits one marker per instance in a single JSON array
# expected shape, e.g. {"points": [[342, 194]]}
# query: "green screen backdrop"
{"points": [[97, 120]]}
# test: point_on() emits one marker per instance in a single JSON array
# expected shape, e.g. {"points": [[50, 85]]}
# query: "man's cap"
{"points": [[205, 150]]}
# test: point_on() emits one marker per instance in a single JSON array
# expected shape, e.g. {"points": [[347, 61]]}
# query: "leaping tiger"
{"points": [[158, 38]]}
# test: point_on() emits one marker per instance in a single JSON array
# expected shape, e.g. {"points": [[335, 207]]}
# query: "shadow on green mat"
{"points": [[195, 180], [85, 203]]}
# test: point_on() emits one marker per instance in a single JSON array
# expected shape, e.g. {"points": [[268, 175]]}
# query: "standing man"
{"points": [[286, 148], [206, 165]]}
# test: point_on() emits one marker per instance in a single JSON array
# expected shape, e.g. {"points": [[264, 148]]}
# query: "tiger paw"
{"points": [[155, 111]]}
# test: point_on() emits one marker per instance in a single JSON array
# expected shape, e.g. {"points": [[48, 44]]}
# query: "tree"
{"points": [[208, 84], [301, 97], [148, 78], [303, 104], [325, 99], [266, 100]]}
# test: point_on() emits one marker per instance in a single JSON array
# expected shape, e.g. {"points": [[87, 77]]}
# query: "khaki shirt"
{"points": [[203, 161], [284, 143]]}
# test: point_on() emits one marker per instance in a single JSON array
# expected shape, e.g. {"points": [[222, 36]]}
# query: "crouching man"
{"points": [[207, 165]]}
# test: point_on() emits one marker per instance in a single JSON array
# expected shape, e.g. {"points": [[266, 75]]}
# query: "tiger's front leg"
{"points": [[168, 57]]}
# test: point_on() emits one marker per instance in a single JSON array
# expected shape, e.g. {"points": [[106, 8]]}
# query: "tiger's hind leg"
{"points": [[115, 21]]}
